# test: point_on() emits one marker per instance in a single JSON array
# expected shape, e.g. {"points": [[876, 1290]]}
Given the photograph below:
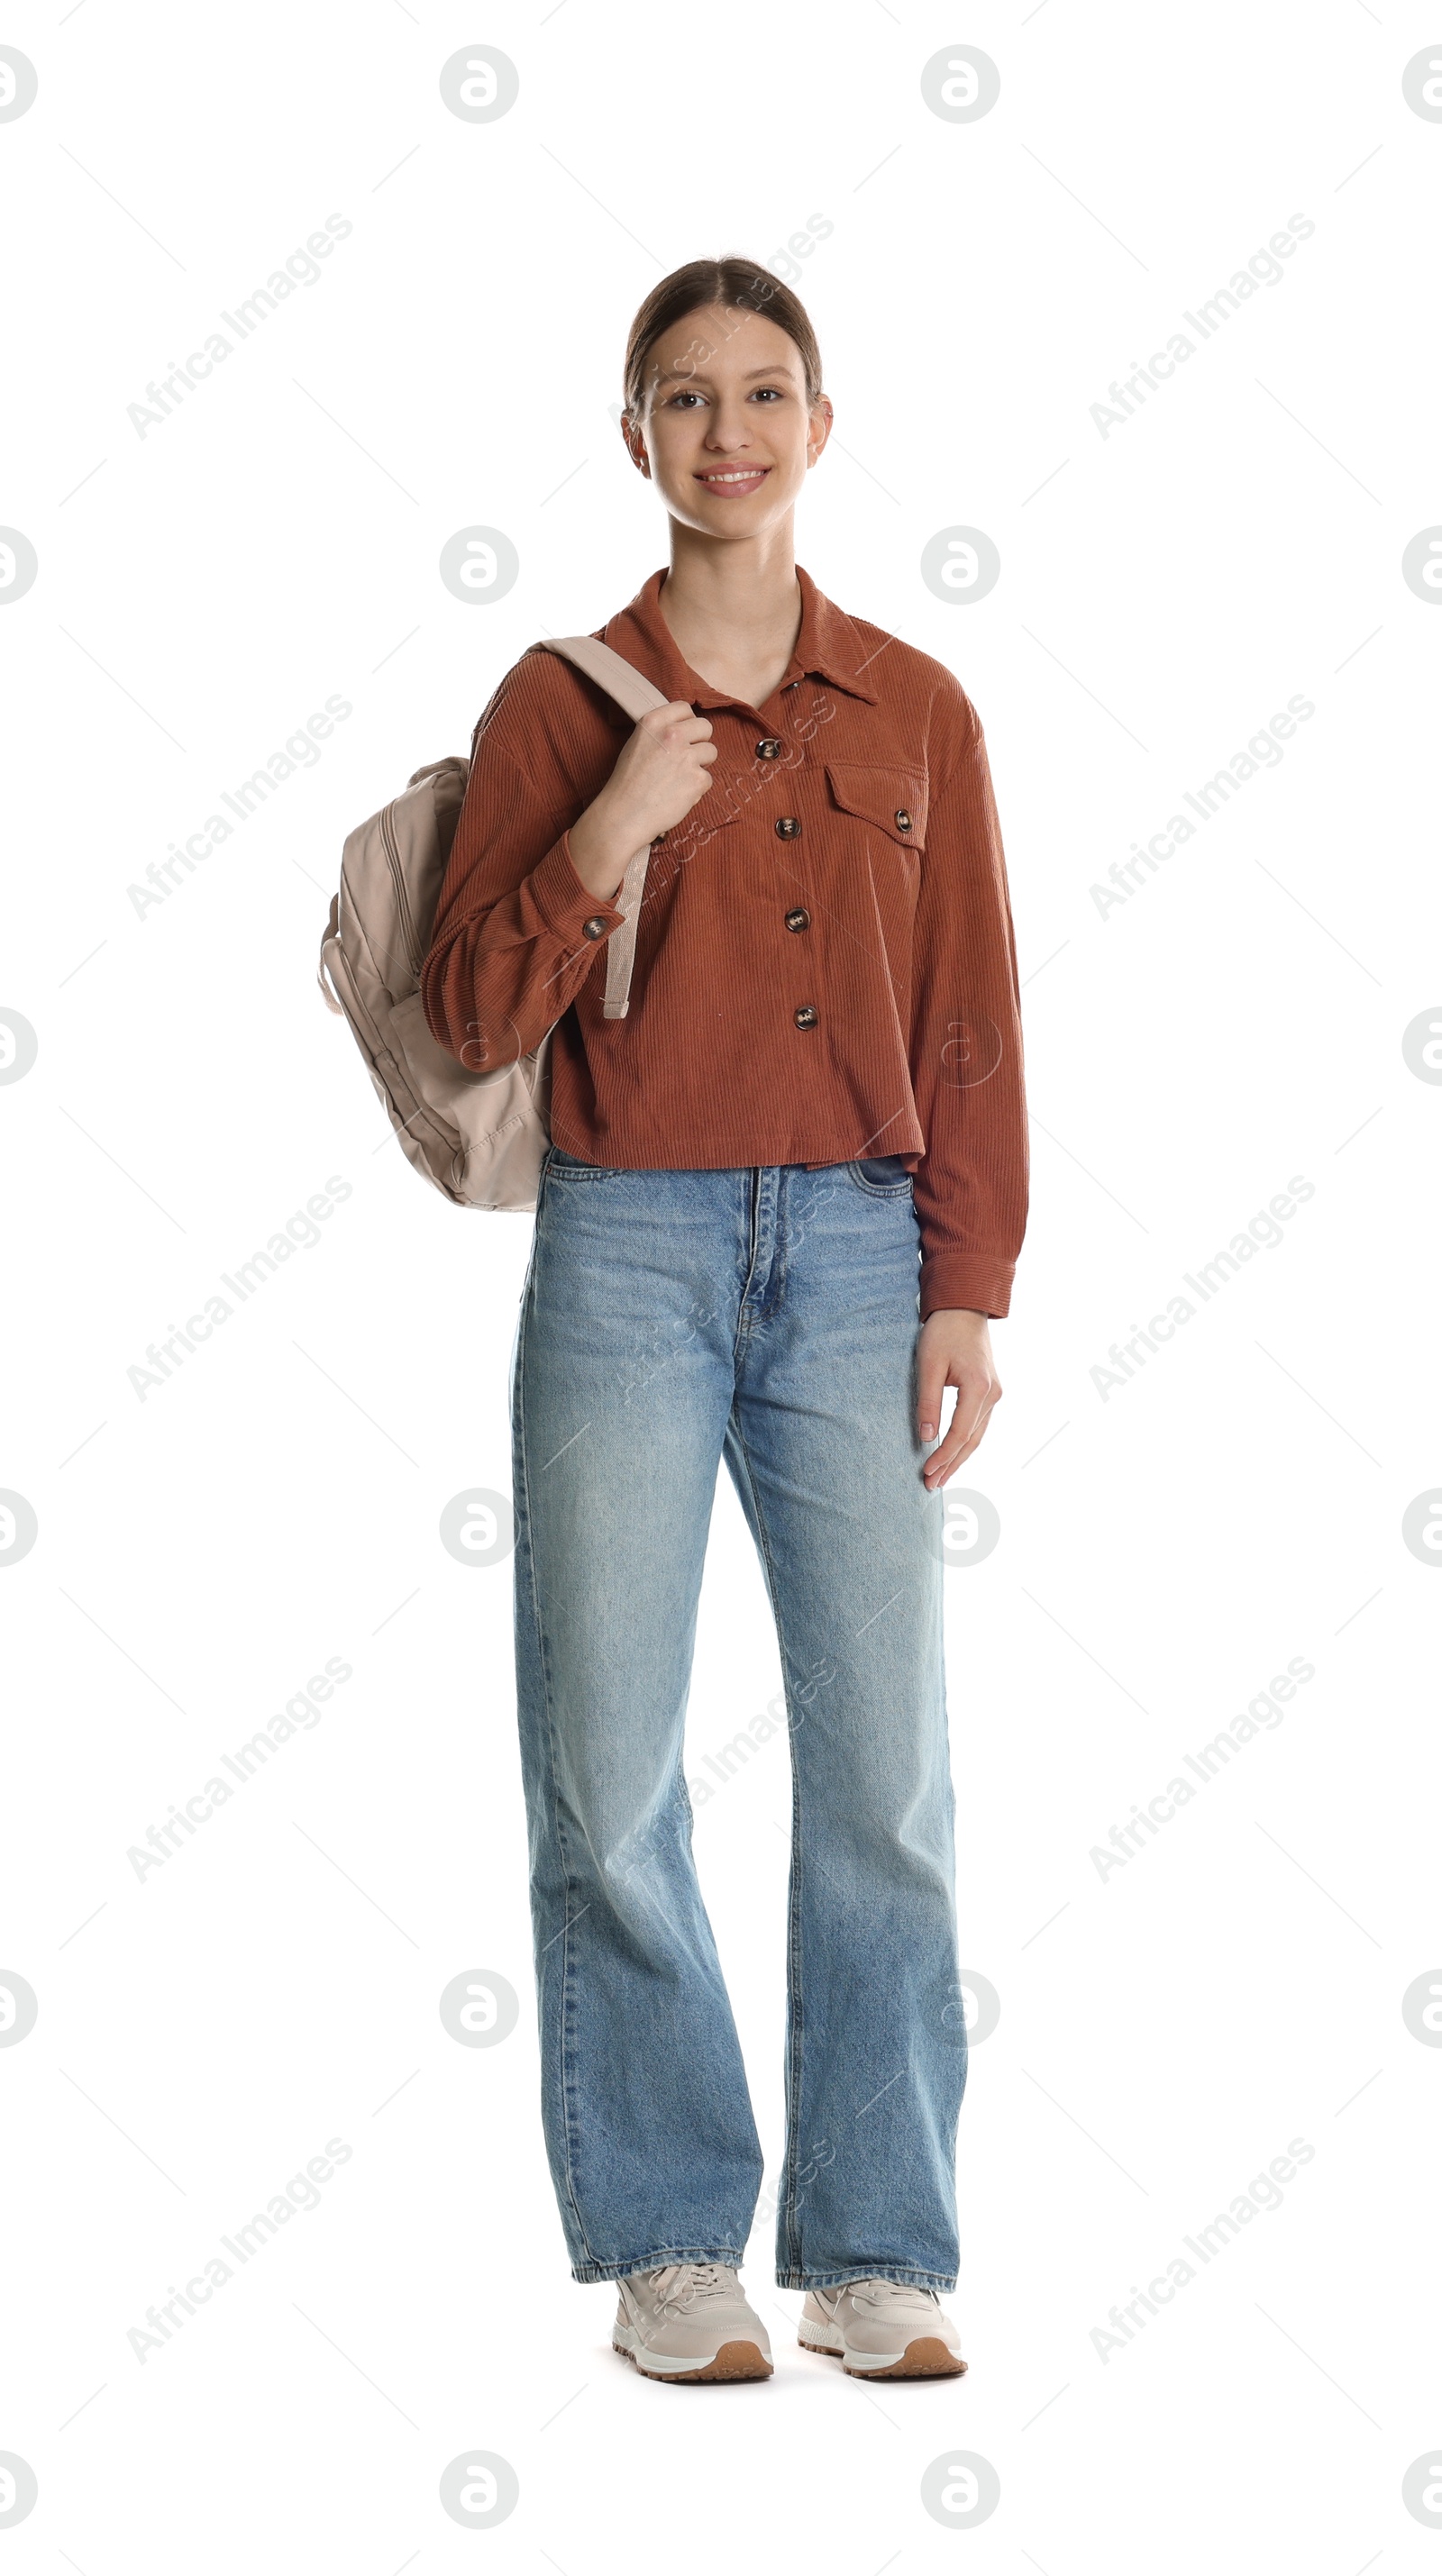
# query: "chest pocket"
{"points": [[892, 798]]}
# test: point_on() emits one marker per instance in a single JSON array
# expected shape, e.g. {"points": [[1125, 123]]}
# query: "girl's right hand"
{"points": [[663, 769]]}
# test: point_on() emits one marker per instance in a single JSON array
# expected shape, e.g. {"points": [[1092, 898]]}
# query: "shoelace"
{"points": [[877, 2293], [683, 2285]]}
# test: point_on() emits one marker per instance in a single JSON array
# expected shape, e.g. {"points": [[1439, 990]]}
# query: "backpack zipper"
{"points": [[403, 905]]}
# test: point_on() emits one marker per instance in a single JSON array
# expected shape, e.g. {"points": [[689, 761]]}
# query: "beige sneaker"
{"points": [[690, 2321], [882, 2330]]}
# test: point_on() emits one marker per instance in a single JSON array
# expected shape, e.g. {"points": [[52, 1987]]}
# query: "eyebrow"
{"points": [[698, 375]]}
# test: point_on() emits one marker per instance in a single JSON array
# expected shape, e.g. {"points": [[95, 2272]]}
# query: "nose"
{"points": [[729, 429]]}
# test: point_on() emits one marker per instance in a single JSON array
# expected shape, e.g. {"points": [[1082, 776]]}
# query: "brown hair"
{"points": [[731, 281]]}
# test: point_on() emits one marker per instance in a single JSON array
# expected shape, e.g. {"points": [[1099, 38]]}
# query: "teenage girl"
{"points": [[784, 1195]]}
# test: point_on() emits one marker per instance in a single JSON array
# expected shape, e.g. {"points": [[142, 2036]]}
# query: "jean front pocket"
{"points": [[884, 1176], [560, 1166]]}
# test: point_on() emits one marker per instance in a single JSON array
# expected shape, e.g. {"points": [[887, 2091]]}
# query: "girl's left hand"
{"points": [[954, 1350]]}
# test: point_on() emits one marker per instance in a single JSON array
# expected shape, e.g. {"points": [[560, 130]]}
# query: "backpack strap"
{"points": [[322, 973], [635, 695]]}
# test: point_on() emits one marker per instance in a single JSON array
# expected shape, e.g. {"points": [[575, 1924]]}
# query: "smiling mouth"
{"points": [[734, 479]]}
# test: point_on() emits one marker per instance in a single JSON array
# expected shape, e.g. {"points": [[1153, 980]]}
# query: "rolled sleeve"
{"points": [[973, 1279]]}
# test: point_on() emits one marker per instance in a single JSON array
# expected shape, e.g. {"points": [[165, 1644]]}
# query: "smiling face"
{"points": [[725, 431]]}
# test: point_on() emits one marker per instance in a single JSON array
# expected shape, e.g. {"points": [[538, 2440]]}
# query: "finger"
{"points": [[950, 1462], [962, 1431], [930, 1379], [978, 1433], [942, 1463]]}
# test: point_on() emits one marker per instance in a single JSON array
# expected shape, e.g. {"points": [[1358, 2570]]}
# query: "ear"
{"points": [[818, 427], [635, 444]]}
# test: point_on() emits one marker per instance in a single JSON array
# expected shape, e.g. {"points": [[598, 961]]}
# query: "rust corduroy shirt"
{"points": [[825, 966]]}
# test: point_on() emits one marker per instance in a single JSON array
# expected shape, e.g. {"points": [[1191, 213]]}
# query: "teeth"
{"points": [[748, 477]]}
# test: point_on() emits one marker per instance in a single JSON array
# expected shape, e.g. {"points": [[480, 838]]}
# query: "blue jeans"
{"points": [[770, 1315]]}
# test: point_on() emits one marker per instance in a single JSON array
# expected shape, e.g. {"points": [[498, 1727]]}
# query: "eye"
{"points": [[768, 393], [689, 395]]}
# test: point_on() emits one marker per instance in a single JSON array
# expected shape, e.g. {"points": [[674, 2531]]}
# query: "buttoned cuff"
{"points": [[981, 1280], [568, 908]]}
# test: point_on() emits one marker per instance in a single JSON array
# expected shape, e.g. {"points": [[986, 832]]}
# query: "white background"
{"points": [[1165, 2031]]}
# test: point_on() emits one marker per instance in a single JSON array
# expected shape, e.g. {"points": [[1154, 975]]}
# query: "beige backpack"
{"points": [[479, 1137]]}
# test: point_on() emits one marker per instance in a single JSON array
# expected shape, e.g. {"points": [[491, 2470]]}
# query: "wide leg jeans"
{"points": [[769, 1316]]}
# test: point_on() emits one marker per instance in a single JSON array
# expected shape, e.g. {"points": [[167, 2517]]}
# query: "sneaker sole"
{"points": [[731, 2361], [925, 2358]]}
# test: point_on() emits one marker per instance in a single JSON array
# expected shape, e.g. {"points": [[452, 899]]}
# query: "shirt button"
{"points": [[787, 826], [800, 919], [903, 819], [806, 1016], [769, 748], [595, 928]]}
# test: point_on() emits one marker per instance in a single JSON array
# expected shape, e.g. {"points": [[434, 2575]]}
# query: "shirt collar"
{"points": [[828, 647]]}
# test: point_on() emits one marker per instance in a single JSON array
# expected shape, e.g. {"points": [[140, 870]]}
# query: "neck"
{"points": [[734, 608]]}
